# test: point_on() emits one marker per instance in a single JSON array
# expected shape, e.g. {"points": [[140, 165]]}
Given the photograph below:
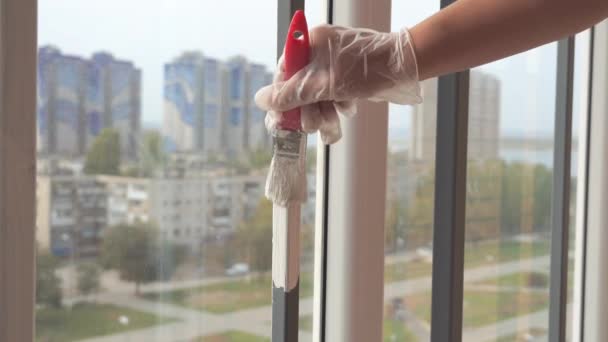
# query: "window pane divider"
{"points": [[560, 204], [450, 208], [286, 226]]}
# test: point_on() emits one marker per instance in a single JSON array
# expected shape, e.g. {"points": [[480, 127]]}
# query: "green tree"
{"points": [[104, 155], [260, 158], [394, 230], [419, 223], [88, 278], [511, 197], [543, 182], [152, 154], [254, 238], [48, 284], [135, 251]]}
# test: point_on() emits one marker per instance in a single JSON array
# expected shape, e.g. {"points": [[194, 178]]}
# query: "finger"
{"points": [[330, 129], [271, 120], [311, 117], [346, 108], [304, 87]]}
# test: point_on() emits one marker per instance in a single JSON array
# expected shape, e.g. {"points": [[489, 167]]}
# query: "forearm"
{"points": [[474, 32]]}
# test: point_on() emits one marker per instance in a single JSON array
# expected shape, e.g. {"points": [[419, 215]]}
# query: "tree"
{"points": [[543, 182], [48, 284], [394, 230], [152, 154], [88, 278], [260, 158], [419, 225], [104, 155], [135, 251], [254, 238]]}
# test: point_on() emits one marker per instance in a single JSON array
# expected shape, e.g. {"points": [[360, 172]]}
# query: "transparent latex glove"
{"points": [[346, 64]]}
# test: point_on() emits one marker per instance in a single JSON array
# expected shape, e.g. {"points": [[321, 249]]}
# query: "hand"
{"points": [[346, 64]]}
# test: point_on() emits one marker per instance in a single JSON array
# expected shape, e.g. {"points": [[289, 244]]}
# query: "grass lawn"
{"points": [[230, 295], [482, 308], [523, 336], [521, 279], [87, 320], [479, 254], [397, 331], [233, 336], [485, 253], [406, 270]]}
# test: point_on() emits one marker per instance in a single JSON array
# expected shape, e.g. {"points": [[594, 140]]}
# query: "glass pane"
{"points": [[508, 205], [580, 91], [410, 202], [151, 222]]}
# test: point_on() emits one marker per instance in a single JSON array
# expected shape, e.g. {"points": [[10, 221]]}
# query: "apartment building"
{"points": [[209, 107], [73, 210], [71, 214], [79, 97]]}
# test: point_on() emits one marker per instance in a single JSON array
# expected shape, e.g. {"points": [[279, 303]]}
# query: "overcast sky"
{"points": [[152, 32]]}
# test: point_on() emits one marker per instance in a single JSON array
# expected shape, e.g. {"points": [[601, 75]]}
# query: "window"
{"points": [[104, 120], [410, 196], [175, 90]]}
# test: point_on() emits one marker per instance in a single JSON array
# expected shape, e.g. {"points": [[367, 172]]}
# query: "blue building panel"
{"points": [[236, 82], [258, 78], [210, 118], [180, 88], [211, 81], [236, 116]]}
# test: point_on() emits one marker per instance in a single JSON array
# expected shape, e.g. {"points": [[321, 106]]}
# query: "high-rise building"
{"points": [[257, 137], [484, 119], [183, 92], [235, 99], [116, 86], [61, 102], [77, 98], [209, 106], [484, 116]]}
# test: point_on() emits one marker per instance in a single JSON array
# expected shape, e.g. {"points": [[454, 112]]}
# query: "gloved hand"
{"points": [[346, 64]]}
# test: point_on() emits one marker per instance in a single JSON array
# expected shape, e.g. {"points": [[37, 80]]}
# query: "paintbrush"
{"points": [[286, 182]]}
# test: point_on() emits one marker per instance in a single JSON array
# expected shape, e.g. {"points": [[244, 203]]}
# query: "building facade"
{"points": [[71, 214], [78, 97], [73, 210], [484, 119], [209, 107]]}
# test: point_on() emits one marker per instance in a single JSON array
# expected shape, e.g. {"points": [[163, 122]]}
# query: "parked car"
{"points": [[237, 270]]}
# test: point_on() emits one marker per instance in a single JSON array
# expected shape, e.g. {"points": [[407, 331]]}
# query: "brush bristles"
{"points": [[286, 182]]}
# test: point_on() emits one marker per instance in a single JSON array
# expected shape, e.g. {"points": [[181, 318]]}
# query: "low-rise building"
{"points": [[74, 210], [71, 214]]}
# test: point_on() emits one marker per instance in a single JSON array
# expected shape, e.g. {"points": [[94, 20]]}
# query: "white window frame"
{"points": [[592, 277], [349, 273]]}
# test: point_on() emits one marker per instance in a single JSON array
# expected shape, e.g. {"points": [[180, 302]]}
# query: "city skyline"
{"points": [[159, 40]]}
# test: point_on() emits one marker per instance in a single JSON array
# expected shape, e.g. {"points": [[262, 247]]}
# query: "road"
{"points": [[194, 323]]}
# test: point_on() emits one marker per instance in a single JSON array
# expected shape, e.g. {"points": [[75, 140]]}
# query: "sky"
{"points": [[153, 32]]}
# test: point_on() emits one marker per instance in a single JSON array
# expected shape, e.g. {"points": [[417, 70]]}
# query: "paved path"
{"points": [[194, 323]]}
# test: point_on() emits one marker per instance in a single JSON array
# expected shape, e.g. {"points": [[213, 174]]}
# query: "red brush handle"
{"points": [[297, 55]]}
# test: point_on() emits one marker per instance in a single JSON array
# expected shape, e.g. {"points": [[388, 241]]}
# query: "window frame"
{"points": [[18, 54], [354, 254], [592, 277]]}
